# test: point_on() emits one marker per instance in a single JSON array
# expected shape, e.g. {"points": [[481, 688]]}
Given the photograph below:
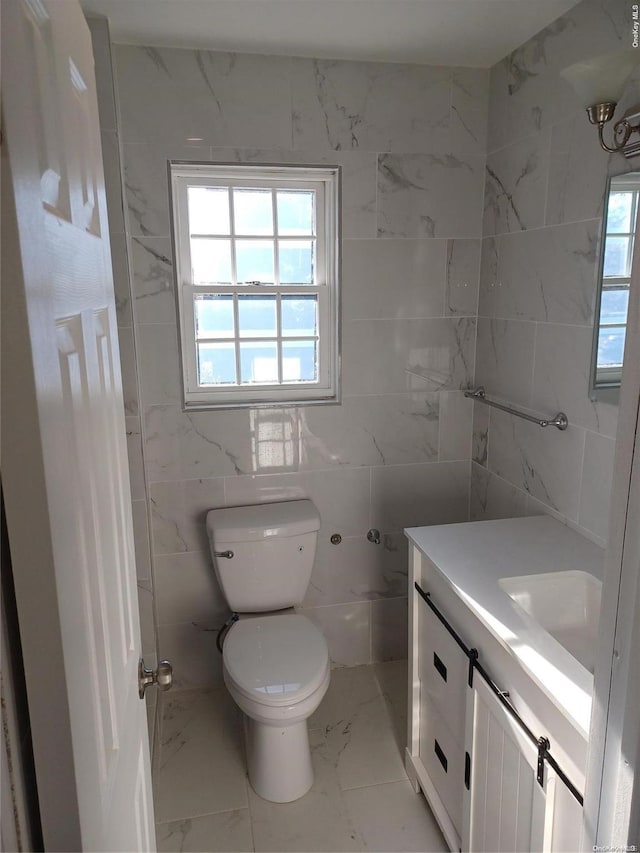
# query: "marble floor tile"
{"points": [[318, 821], [200, 765], [392, 817], [392, 679], [227, 831], [357, 730]]}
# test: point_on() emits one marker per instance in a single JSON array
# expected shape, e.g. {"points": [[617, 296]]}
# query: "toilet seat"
{"points": [[277, 660]]}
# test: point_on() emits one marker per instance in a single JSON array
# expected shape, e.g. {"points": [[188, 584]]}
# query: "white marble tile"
{"points": [[356, 726], [134, 454], [340, 495], [393, 817], [427, 355], [158, 364], [504, 359], [347, 630], [373, 430], [545, 463], [121, 283], [456, 415], [430, 195], [410, 496], [226, 832], [392, 678], [561, 379], [201, 763], [141, 540], [389, 629], [220, 98], [128, 368], [516, 187], [489, 280], [359, 171], [595, 491], [187, 590], [357, 570], [371, 106], [462, 276], [197, 663], [469, 110], [492, 497], [548, 274], [147, 628], [146, 183], [319, 821], [480, 436], [153, 282], [181, 445], [178, 514], [578, 170], [393, 278]]}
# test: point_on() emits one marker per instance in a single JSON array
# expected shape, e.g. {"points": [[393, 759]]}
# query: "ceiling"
{"points": [[474, 33]]}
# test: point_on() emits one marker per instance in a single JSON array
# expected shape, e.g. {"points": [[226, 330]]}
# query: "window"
{"points": [[256, 252], [620, 225]]}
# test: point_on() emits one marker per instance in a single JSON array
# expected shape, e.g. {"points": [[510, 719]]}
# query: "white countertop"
{"points": [[473, 556]]}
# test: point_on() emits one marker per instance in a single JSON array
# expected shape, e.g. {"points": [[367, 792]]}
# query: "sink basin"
{"points": [[565, 604]]}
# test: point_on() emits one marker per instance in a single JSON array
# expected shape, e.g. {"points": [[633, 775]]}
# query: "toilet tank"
{"points": [[273, 547]]}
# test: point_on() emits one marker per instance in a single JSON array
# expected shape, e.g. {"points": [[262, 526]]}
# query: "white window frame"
{"points": [[325, 181], [605, 377]]}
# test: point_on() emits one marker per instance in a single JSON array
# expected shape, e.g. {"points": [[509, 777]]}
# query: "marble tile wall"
{"points": [[108, 113], [545, 184], [411, 143]]}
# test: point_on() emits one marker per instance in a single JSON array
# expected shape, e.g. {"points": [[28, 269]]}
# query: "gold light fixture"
{"points": [[600, 83]]}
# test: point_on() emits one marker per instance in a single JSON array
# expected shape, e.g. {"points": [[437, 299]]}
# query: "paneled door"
{"points": [[64, 464]]}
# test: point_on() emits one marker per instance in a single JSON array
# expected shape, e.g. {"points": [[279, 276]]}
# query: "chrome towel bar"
{"points": [[559, 421]]}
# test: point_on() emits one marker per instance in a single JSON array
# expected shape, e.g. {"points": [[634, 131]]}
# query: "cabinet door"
{"points": [[506, 809]]}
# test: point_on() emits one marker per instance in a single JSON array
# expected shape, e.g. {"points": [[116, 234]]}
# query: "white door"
{"points": [[64, 466], [505, 808]]}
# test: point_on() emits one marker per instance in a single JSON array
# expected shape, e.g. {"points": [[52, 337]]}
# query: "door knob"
{"points": [[162, 676]]}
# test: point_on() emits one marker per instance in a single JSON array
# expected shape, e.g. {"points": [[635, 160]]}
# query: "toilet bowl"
{"points": [[275, 661], [276, 668]]}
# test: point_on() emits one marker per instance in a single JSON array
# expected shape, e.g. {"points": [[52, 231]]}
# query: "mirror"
{"points": [[621, 209]]}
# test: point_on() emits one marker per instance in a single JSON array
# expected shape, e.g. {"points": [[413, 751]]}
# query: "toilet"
{"points": [[275, 661]]}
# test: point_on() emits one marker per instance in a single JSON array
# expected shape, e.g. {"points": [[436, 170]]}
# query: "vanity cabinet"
{"points": [[475, 764]]}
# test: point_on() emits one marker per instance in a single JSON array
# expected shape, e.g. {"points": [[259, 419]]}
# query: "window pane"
{"points": [[299, 361], [296, 212], [211, 261], [254, 261], [299, 315], [615, 256], [614, 306], [208, 210], [611, 347], [214, 316], [619, 212], [258, 362], [216, 364], [253, 211], [257, 316], [296, 261]]}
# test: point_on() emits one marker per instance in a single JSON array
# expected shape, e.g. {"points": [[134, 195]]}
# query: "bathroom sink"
{"points": [[565, 604]]}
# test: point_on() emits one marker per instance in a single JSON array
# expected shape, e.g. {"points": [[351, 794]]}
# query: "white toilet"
{"points": [[275, 661]]}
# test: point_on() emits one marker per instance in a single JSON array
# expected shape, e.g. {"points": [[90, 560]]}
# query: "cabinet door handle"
{"points": [[442, 669], [442, 758], [467, 771]]}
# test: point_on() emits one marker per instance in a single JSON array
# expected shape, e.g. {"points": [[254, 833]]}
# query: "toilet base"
{"points": [[278, 760]]}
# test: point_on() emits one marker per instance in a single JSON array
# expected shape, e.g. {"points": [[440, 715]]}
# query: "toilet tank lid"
{"points": [[262, 521]]}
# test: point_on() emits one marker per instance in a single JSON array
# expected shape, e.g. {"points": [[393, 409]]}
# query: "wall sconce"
{"points": [[600, 83]]}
